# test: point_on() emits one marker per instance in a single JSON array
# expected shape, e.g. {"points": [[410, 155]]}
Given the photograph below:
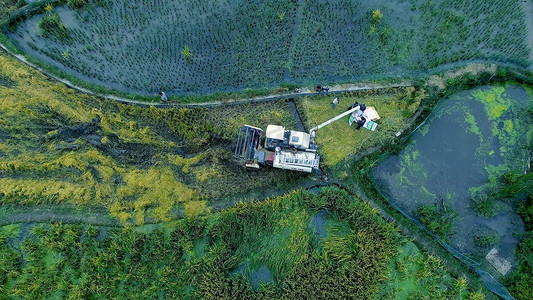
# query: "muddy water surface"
{"points": [[469, 141]]}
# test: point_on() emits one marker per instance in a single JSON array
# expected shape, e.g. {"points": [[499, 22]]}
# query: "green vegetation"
{"points": [[360, 171], [511, 125], [483, 205], [59, 147], [487, 239], [8, 6], [440, 222], [218, 256], [261, 45], [63, 150], [413, 275], [187, 53], [338, 141], [519, 282], [51, 26]]}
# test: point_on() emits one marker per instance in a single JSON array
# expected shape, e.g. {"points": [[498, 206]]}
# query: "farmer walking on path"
{"points": [[164, 98]]}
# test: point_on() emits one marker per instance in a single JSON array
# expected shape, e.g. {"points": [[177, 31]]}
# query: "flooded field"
{"points": [[448, 174]]}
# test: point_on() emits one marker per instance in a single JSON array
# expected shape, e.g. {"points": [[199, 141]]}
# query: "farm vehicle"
{"points": [[289, 149]]}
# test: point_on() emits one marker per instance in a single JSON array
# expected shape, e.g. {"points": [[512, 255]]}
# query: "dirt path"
{"points": [[528, 9]]}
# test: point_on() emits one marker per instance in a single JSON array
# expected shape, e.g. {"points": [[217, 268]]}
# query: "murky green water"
{"points": [[471, 139]]}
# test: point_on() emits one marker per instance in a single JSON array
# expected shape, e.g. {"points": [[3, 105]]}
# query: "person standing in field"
{"points": [[334, 102], [164, 98]]}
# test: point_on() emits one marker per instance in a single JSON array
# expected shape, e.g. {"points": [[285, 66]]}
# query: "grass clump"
{"points": [[438, 222], [486, 240], [483, 205], [51, 26]]}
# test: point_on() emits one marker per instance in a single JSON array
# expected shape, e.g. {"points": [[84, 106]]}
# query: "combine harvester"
{"points": [[289, 149]]}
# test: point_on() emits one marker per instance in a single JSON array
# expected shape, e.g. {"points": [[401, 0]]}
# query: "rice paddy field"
{"points": [[105, 200], [299, 245], [59, 147], [192, 47]]}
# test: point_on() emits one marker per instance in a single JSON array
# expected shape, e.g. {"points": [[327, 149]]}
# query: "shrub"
{"points": [[51, 26], [438, 222]]}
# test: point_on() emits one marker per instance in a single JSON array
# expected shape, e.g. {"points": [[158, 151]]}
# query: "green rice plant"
{"points": [[187, 54], [197, 257], [295, 42]]}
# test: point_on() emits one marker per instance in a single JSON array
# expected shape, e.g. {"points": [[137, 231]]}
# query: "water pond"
{"points": [[454, 163]]}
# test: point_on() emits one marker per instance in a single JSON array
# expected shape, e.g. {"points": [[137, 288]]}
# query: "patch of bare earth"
{"points": [[440, 80]]}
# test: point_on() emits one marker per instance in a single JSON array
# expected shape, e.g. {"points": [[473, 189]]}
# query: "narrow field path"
{"points": [[51, 214]]}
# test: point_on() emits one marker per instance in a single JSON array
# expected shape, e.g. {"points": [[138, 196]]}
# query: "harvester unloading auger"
{"points": [[289, 149]]}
